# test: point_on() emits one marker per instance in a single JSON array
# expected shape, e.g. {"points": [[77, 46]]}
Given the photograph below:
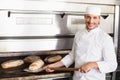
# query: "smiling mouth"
{"points": [[90, 25]]}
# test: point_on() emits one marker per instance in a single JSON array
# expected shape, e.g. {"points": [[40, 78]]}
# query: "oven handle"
{"points": [[61, 13]]}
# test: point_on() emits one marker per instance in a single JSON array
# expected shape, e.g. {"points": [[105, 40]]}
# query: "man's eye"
{"points": [[88, 17], [95, 17]]}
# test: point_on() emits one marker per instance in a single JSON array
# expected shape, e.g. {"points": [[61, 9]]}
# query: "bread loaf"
{"points": [[36, 65], [31, 59], [12, 63], [51, 59]]}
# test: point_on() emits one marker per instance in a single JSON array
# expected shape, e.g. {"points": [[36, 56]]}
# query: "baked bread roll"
{"points": [[12, 64], [36, 65], [31, 59], [51, 59]]}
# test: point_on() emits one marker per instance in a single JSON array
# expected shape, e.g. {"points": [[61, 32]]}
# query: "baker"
{"points": [[93, 50]]}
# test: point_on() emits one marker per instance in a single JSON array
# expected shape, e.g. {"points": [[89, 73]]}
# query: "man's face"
{"points": [[92, 21]]}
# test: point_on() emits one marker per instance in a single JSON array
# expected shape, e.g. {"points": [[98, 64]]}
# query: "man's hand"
{"points": [[54, 65], [48, 68], [88, 66]]}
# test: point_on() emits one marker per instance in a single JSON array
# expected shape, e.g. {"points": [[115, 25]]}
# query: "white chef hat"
{"points": [[93, 10]]}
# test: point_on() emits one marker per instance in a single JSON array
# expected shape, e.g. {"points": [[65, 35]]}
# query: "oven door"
{"points": [[32, 30]]}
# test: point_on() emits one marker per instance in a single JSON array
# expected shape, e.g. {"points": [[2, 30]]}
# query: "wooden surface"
{"points": [[65, 69]]}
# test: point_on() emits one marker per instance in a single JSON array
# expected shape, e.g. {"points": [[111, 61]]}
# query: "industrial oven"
{"points": [[118, 49], [44, 28]]}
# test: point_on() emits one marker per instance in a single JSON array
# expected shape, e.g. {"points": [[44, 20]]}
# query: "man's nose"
{"points": [[91, 20]]}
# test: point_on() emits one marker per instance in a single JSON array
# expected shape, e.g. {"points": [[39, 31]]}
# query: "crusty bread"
{"points": [[51, 59], [12, 63], [31, 59], [36, 65]]}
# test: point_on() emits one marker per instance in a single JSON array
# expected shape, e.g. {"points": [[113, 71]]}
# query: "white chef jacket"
{"points": [[94, 46]]}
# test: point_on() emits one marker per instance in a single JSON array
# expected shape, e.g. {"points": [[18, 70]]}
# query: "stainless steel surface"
{"points": [[26, 53], [116, 28], [31, 31], [117, 15], [64, 5], [32, 26], [110, 2], [39, 77]]}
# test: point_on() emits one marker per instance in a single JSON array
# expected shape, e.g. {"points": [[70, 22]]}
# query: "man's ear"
{"points": [[99, 17]]}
